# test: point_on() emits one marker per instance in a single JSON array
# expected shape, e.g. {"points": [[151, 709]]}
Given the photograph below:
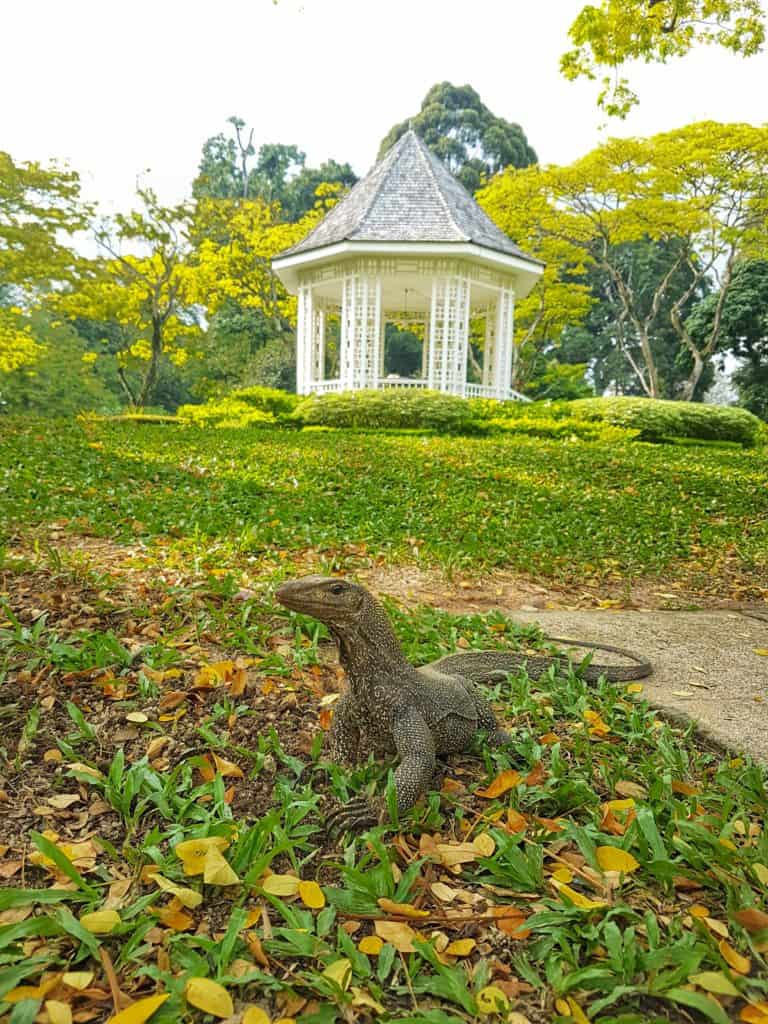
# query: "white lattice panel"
{"points": [[449, 334], [505, 326], [360, 331]]}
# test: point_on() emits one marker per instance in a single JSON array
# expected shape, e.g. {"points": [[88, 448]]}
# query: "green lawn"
{"points": [[605, 867], [549, 508]]}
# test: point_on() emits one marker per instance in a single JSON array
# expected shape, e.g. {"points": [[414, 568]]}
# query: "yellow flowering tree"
{"points": [[701, 190], [148, 292], [38, 205], [608, 34]]}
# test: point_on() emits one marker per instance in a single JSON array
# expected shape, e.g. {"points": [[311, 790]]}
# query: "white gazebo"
{"points": [[409, 245]]}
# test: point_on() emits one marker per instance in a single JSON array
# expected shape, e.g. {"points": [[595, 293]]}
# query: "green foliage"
{"points": [[471, 141], [656, 419], [224, 412], [566, 429], [389, 409], [279, 174], [65, 378], [279, 403], [246, 407]]}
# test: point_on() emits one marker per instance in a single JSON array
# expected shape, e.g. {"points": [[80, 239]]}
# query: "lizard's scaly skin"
{"points": [[391, 707]]}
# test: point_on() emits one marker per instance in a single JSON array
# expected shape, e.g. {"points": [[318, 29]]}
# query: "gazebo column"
{"points": [[361, 332], [304, 338], [489, 349], [501, 378], [449, 334]]}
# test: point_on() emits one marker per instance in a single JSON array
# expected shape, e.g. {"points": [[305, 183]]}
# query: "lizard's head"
{"points": [[335, 602]]}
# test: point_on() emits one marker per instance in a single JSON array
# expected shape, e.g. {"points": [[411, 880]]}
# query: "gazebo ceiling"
{"points": [[408, 204]]}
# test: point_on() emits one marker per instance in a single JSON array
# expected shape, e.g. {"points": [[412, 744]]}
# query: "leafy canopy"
{"points": [[472, 141], [609, 34], [703, 189], [37, 206]]}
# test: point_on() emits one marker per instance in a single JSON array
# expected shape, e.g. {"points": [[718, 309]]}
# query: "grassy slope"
{"points": [[532, 505], [647, 945]]}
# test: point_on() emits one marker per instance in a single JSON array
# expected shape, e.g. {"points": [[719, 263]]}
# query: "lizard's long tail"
{"points": [[478, 665]]}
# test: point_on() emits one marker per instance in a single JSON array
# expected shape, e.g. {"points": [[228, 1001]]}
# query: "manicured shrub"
{"points": [[656, 419], [224, 412], [391, 409], [279, 403]]}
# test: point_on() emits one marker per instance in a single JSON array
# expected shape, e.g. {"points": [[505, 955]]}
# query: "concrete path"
{"points": [[705, 667]]}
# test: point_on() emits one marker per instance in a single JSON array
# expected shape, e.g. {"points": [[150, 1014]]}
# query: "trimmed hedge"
{"points": [[656, 419], [390, 409]]}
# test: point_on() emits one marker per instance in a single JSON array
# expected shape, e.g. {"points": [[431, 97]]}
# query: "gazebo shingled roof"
{"points": [[409, 196]]}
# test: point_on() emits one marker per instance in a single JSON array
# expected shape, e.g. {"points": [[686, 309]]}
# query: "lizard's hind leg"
{"points": [[486, 720]]}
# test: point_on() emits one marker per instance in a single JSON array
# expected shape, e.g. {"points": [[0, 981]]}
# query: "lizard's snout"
{"points": [[285, 592]]}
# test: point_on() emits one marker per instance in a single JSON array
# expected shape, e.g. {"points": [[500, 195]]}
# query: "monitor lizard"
{"points": [[391, 707]]}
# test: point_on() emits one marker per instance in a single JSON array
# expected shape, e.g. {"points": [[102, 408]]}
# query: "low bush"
{"points": [[279, 403], [224, 412], [393, 409], [245, 407], [656, 419]]}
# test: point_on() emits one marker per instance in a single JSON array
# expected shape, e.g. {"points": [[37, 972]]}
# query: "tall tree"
{"points": [[701, 190], [148, 292], [472, 141], [609, 34], [38, 206], [231, 168]]}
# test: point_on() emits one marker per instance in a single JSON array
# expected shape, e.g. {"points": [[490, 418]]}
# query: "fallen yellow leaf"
{"points": [[714, 981], [311, 895], [139, 1011], [360, 997], [217, 871], [227, 768], [192, 852], [255, 1015], [611, 858], [209, 996], [340, 972], [281, 885], [740, 964], [484, 845], [100, 922], [404, 909], [492, 1000], [371, 944], [77, 979], [576, 898], [460, 947], [58, 1012], [187, 897]]}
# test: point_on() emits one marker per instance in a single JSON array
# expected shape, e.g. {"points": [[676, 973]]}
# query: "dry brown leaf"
{"points": [[398, 933]]}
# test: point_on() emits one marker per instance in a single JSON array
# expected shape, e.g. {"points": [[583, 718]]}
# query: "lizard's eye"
{"points": [[337, 588]]}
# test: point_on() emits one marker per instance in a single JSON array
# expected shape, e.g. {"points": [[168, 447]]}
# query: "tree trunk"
{"points": [[150, 380]]}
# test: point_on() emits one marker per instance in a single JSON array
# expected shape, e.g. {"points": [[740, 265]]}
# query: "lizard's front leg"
{"points": [[416, 747], [344, 734]]}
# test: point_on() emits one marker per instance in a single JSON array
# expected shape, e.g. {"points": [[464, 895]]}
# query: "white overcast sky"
{"points": [[121, 90]]}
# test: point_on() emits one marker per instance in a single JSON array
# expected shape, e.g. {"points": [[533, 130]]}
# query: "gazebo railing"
{"points": [[325, 387]]}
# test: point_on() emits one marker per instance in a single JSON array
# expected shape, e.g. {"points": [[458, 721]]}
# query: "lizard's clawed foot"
{"points": [[356, 816]]}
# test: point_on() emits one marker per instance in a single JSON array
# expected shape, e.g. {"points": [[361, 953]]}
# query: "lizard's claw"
{"points": [[356, 816]]}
